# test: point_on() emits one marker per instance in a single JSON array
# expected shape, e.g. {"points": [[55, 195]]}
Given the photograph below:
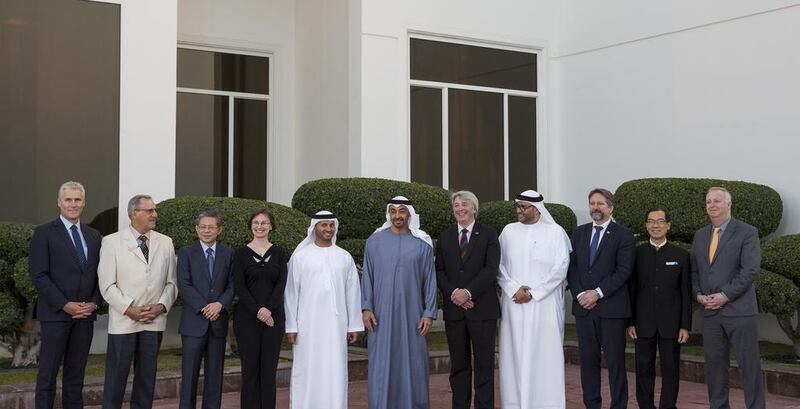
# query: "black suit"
{"points": [[59, 277], [201, 338], [660, 291], [602, 327], [477, 273]]}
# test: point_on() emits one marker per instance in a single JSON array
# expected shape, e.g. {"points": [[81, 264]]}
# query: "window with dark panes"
{"points": [[59, 107], [221, 124], [473, 117]]}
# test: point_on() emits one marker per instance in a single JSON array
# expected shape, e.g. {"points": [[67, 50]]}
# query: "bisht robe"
{"points": [[322, 304], [399, 287], [532, 334]]}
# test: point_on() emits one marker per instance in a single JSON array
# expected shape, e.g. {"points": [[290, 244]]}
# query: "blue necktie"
{"points": [[78, 245], [210, 261], [593, 244]]}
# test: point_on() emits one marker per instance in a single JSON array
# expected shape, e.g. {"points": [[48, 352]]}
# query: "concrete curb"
{"points": [[780, 379]]}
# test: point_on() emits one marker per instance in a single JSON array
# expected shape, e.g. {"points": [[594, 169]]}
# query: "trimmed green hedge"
{"points": [[755, 204], [22, 281], [782, 256], [356, 248], [777, 294], [360, 203], [500, 213], [12, 317], [14, 239], [176, 218]]}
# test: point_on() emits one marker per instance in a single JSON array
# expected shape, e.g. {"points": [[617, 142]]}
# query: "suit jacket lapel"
{"points": [[730, 230], [218, 264], [132, 244], [201, 257], [472, 238], [67, 240], [603, 240]]}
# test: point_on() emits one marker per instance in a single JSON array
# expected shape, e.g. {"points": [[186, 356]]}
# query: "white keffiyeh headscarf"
{"points": [[535, 198], [311, 236], [413, 220]]}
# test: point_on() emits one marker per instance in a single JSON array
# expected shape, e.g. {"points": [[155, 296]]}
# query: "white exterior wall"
{"points": [[678, 89], [385, 143], [266, 26]]}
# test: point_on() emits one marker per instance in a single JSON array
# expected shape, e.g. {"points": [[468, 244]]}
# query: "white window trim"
{"points": [[445, 86], [231, 95]]}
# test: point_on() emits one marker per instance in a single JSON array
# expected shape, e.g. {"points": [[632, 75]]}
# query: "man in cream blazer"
{"points": [[136, 275]]}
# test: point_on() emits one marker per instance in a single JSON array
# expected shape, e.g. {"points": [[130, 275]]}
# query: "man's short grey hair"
{"points": [[135, 202], [728, 197], [465, 195], [71, 185], [209, 213]]}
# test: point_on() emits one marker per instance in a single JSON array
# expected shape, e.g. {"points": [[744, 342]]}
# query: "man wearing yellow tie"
{"points": [[725, 262]]}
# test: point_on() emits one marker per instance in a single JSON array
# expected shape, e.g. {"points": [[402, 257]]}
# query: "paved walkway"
{"points": [[692, 395]]}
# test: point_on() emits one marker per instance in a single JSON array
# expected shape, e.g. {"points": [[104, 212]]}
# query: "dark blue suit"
{"points": [[203, 339], [602, 327], [59, 277]]}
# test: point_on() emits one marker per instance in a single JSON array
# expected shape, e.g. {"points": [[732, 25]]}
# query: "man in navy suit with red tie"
{"points": [[62, 263], [600, 265]]}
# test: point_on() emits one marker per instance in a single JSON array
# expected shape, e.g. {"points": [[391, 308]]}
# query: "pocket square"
{"points": [[672, 263]]}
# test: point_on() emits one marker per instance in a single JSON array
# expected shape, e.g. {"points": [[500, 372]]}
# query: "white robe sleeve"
{"points": [[504, 280], [291, 296], [555, 277], [353, 298]]}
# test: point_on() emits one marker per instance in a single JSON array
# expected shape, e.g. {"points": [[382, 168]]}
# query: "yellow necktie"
{"points": [[713, 247]]}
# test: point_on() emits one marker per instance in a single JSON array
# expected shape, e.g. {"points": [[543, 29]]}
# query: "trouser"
{"points": [[719, 333], [596, 334], [67, 342], [669, 351], [141, 349], [210, 350], [470, 340], [259, 349]]}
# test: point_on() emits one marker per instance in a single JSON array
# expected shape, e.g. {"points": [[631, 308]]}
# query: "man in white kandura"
{"points": [[533, 266], [323, 313]]}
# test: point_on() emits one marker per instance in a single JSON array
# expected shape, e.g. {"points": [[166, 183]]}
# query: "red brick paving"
{"points": [[692, 395]]}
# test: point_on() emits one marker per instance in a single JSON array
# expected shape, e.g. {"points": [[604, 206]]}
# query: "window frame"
{"points": [[446, 86], [232, 95]]}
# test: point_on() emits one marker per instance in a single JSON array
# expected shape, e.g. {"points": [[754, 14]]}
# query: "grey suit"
{"points": [[203, 339], [732, 272]]}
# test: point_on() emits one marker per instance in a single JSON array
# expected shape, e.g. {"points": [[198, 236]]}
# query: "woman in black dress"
{"points": [[259, 274]]}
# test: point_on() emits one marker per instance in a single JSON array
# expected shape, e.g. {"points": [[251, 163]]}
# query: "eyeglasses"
{"points": [[148, 211], [265, 223], [658, 222], [523, 207], [207, 227]]}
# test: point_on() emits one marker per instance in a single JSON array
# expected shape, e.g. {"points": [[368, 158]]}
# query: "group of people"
{"points": [[315, 300]]}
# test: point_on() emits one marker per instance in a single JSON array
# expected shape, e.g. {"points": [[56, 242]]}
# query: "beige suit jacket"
{"points": [[127, 279]]}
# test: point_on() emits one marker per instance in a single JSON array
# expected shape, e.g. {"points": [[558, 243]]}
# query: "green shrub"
{"points": [[22, 281], [14, 239], [176, 218], [782, 255], [12, 317], [777, 294], [500, 213], [355, 247], [360, 203], [106, 222], [755, 204]]}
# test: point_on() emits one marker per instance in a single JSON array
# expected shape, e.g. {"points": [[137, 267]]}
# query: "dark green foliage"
{"points": [[176, 219], [14, 239], [12, 315], [500, 213], [755, 204], [360, 203], [355, 247], [782, 256], [777, 294], [22, 281]]}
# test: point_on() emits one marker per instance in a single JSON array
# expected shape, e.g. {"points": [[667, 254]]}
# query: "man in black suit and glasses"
{"points": [[662, 311], [600, 265], [467, 260], [62, 263]]}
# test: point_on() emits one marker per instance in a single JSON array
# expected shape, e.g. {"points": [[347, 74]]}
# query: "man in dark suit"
{"points": [[600, 265], [726, 256], [467, 260], [62, 263], [206, 287], [662, 311]]}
